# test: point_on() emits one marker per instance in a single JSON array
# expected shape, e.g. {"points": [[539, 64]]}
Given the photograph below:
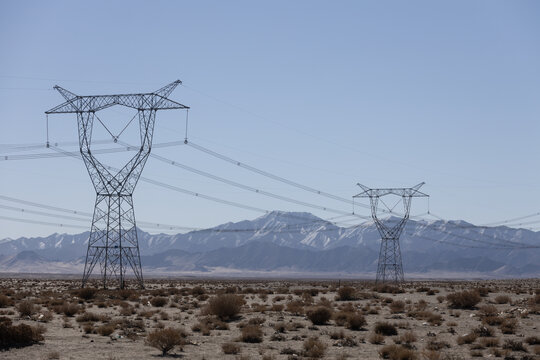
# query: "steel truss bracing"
{"points": [[113, 240], [390, 267]]}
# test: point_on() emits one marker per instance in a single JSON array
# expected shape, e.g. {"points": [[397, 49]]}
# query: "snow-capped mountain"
{"points": [[303, 242]]}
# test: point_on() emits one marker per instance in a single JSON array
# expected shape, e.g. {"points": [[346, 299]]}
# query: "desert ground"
{"points": [[270, 319]]}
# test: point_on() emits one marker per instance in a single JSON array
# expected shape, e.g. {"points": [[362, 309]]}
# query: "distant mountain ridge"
{"points": [[300, 242]]}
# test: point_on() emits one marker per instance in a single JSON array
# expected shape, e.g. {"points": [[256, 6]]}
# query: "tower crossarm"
{"points": [[91, 103]]}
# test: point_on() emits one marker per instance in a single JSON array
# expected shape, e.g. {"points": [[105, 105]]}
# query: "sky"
{"points": [[324, 93]]}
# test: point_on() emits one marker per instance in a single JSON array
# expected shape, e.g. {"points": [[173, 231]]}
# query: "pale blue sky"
{"points": [[326, 93]]}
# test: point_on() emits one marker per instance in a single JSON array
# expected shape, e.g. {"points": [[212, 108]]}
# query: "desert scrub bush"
{"points": [[87, 293], [388, 289], [489, 342], [356, 321], [319, 315], [397, 306], [466, 339], [106, 329], [225, 306], [487, 310], [67, 309], [5, 301], [91, 317], [26, 308], [502, 299], [314, 348], [397, 352], [346, 293], [408, 338], [514, 345], [252, 334], [385, 328], [159, 301], [197, 291], [230, 348], [435, 345], [166, 339], [19, 335], [295, 307], [463, 300], [508, 326], [484, 331]]}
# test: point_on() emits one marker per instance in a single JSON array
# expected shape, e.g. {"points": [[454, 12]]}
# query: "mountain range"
{"points": [[300, 244]]}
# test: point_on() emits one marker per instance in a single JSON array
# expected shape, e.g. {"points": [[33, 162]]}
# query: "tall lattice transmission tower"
{"points": [[113, 239], [390, 267]]}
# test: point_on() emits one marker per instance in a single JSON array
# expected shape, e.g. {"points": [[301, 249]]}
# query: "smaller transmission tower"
{"points": [[390, 267]]}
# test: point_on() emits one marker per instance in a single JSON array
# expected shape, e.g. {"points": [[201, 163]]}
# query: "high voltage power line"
{"points": [[291, 228], [171, 187]]}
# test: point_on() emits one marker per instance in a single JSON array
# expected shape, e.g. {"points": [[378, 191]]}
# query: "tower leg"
{"points": [[113, 241]]}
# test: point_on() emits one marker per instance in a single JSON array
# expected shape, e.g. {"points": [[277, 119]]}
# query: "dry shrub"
{"points": [[68, 309], [295, 307], [26, 308], [514, 345], [487, 310], [466, 339], [533, 340], [314, 348], [159, 301], [356, 321], [19, 335], [385, 328], [319, 315], [493, 320], [502, 299], [435, 345], [432, 318], [376, 339], [91, 317], [464, 299], [346, 293], [166, 339], [408, 338], [197, 291], [230, 348], [490, 342], [4, 301], [252, 334], [225, 306], [508, 326], [106, 330], [87, 293], [397, 352], [388, 289], [484, 331], [397, 306]]}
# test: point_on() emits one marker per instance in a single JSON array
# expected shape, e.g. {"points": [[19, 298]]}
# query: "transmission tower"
{"points": [[390, 267], [113, 239]]}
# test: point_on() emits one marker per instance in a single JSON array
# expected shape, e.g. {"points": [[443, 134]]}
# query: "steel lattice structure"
{"points": [[113, 239], [390, 266]]}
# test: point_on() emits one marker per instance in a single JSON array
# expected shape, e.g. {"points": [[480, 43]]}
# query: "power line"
{"points": [[249, 188], [270, 175]]}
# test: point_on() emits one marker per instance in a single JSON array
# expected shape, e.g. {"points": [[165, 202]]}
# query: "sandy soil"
{"points": [[428, 324]]}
